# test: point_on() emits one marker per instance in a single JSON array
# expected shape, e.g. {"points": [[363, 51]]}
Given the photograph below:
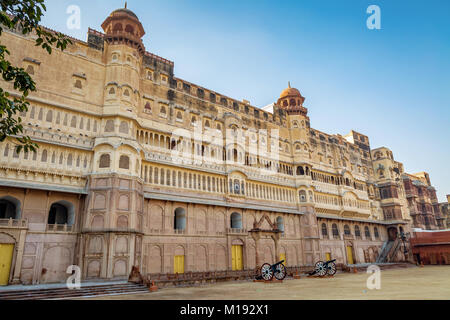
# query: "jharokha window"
{"points": [[346, 230], [335, 231], [124, 162], [105, 161], [324, 230]]}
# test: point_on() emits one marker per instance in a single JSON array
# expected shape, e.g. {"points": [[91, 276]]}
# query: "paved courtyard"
{"points": [[430, 282]]}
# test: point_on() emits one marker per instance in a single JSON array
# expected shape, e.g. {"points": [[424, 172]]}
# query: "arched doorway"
{"points": [[350, 254], [61, 213], [237, 254], [392, 233], [179, 219], [9, 208]]}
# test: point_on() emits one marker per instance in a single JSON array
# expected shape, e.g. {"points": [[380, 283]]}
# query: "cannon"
{"points": [[324, 268], [277, 270]]}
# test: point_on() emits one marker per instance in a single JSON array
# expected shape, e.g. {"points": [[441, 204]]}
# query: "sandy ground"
{"points": [[430, 282]]}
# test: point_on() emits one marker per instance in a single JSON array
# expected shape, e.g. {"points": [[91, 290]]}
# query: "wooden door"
{"points": [[6, 255]]}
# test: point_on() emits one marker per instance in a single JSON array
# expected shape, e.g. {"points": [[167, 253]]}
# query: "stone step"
{"points": [[64, 293]]}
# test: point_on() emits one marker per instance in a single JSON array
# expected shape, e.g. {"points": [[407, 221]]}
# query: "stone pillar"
{"points": [[19, 257]]}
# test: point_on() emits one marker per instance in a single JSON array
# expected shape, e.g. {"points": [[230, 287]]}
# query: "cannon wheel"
{"points": [[331, 269], [266, 272], [320, 269], [280, 272]]}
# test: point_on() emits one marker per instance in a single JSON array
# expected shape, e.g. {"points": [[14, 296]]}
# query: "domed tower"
{"points": [[123, 55], [123, 27], [292, 101], [114, 205]]}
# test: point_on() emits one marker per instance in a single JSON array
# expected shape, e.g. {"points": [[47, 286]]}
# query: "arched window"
{"points": [[162, 111], [375, 231], [357, 232], [61, 213], [69, 160], [129, 29], [105, 161], [124, 162], [123, 128], [44, 156], [236, 221], [346, 230], [49, 117], [109, 126], [367, 232], [179, 222], [112, 91], [324, 230], [118, 27], [335, 230], [302, 195], [9, 208], [280, 224], [300, 171]]}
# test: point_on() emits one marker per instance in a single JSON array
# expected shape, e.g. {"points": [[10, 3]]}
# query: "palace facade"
{"points": [[137, 167]]}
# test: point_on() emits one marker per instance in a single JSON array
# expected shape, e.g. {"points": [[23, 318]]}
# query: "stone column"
{"points": [[19, 257]]}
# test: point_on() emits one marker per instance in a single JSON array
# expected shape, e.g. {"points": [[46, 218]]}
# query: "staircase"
{"points": [[65, 293], [394, 251], [387, 246], [388, 251]]}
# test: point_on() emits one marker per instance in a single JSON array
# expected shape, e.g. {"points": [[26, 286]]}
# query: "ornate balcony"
{"points": [[236, 231], [59, 228], [13, 223]]}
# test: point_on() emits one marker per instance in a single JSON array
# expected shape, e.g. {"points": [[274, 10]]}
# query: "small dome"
{"points": [[124, 10], [292, 101], [290, 92]]}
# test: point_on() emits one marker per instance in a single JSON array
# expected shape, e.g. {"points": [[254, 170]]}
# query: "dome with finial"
{"points": [[292, 101], [124, 10], [290, 92]]}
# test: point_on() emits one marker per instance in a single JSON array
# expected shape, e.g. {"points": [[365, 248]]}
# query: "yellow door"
{"points": [[328, 256], [283, 257], [178, 264], [349, 255], [236, 258], [6, 254]]}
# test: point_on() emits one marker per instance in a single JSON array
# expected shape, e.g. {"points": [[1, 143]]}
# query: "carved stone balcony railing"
{"points": [[236, 231], [348, 237], [13, 223], [59, 228]]}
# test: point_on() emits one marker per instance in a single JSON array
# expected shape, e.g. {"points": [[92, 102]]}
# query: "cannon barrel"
{"points": [[280, 262]]}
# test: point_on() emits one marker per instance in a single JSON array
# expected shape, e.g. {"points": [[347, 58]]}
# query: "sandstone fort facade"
{"points": [[105, 193]]}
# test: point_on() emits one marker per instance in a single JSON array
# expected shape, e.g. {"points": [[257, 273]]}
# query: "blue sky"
{"points": [[391, 84]]}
